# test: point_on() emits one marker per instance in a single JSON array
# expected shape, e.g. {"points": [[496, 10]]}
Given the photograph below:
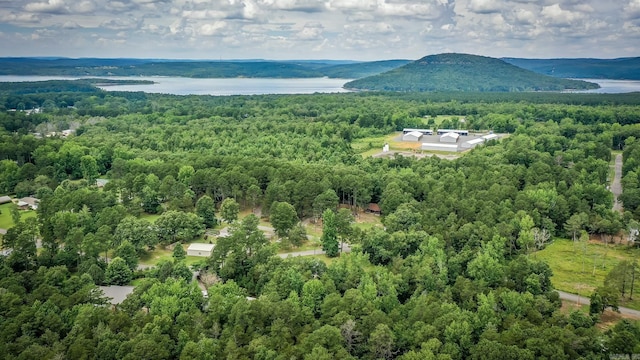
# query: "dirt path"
{"points": [[616, 185]]}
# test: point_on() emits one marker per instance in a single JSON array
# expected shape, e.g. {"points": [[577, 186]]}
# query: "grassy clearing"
{"points": [[567, 265], [373, 144], [5, 215], [150, 217]]}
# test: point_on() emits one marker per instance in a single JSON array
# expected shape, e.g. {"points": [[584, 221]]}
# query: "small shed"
{"points": [[101, 182], [200, 249], [449, 137], [374, 208], [5, 199], [412, 136]]}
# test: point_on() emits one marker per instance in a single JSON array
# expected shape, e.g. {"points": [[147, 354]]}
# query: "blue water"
{"points": [[236, 86], [233, 86]]}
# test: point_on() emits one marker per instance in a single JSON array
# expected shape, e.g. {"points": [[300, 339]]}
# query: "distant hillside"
{"points": [[462, 72], [620, 69], [138, 67], [360, 70]]}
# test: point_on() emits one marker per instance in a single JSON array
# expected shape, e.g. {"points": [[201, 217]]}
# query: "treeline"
{"points": [[451, 276]]}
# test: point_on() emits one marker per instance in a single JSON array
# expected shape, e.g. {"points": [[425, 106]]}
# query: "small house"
{"points": [[5, 199], [200, 249], [116, 294], [28, 203]]}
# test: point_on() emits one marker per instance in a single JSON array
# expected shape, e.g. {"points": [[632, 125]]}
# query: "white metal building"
{"points": [[490, 137], [449, 137], [472, 143], [199, 249], [439, 147], [412, 136]]}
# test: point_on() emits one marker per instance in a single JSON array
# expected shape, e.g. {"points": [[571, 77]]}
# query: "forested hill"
{"points": [[463, 72], [620, 69], [195, 68], [360, 70]]}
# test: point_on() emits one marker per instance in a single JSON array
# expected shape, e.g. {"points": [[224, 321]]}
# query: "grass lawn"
{"points": [[373, 145], [150, 217], [5, 216], [567, 266]]}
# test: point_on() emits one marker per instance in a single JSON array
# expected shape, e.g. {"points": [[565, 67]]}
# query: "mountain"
{"points": [[463, 72], [618, 69], [360, 70]]}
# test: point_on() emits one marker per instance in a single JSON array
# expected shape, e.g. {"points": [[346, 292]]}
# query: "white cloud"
{"points": [[485, 6], [556, 16], [211, 29], [50, 6]]}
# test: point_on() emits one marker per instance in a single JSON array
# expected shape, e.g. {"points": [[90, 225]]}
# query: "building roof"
{"points": [[414, 133], [447, 147], [451, 135], [29, 201], [117, 294], [490, 137], [201, 247], [475, 141], [5, 199], [373, 207], [101, 182]]}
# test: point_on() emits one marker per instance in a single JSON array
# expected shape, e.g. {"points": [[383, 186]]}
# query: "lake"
{"points": [[256, 86], [233, 86]]}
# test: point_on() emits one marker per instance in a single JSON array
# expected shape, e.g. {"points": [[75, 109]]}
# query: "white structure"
{"points": [[28, 203], [385, 148], [449, 137], [412, 136], [199, 249], [459, 132], [490, 137], [439, 147], [423, 131], [472, 143]]}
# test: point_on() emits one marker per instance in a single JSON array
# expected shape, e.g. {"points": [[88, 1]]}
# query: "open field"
{"points": [[570, 275], [5, 216]]}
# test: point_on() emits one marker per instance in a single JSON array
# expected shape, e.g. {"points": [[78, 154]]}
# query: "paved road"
{"points": [[585, 301], [616, 185]]}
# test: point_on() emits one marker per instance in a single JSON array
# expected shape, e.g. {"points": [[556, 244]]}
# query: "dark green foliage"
{"points": [[205, 208], [179, 253], [118, 272], [282, 217], [447, 277], [461, 72], [329, 237]]}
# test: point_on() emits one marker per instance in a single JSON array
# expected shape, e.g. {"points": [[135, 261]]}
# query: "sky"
{"points": [[319, 29]]}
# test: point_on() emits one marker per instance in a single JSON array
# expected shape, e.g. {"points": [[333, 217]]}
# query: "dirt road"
{"points": [[616, 185]]}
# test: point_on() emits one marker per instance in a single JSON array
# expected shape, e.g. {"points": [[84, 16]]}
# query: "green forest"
{"points": [[451, 269], [463, 72]]}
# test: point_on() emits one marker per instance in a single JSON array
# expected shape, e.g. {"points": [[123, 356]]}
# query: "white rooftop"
{"points": [[451, 135], [201, 247], [475, 141], [490, 137]]}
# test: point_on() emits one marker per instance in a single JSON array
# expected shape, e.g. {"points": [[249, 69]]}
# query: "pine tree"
{"points": [[329, 234]]}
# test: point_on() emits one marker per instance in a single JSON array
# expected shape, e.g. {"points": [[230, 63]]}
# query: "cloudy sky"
{"points": [[319, 29]]}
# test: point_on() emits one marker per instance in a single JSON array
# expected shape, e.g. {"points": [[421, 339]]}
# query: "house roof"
{"points": [[5, 199], [117, 294], [490, 137], [414, 133], [29, 201], [201, 247]]}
